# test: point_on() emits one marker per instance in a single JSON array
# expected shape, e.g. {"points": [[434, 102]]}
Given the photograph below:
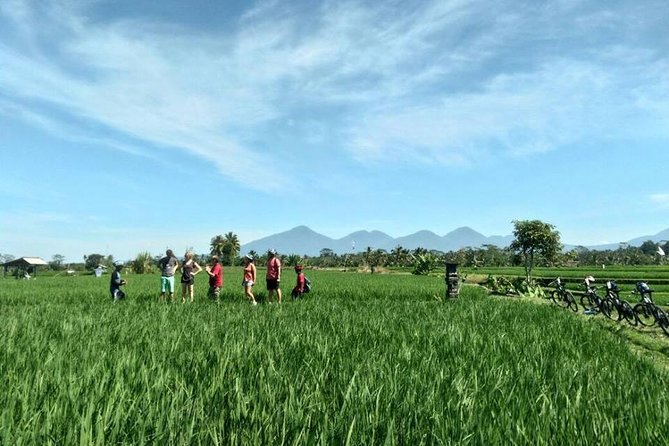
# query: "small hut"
{"points": [[24, 266]]}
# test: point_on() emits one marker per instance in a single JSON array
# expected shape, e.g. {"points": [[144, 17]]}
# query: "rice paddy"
{"points": [[363, 359]]}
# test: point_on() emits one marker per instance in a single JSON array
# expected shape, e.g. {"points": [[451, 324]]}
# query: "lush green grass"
{"points": [[363, 360]]}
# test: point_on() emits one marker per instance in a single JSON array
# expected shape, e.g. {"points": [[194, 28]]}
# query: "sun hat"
{"points": [[118, 263], [249, 257]]}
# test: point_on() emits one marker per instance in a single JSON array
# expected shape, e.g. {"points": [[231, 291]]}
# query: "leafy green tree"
{"points": [[533, 238], [56, 262], [399, 256], [143, 263], [92, 261], [648, 248], [326, 252], [495, 256]]}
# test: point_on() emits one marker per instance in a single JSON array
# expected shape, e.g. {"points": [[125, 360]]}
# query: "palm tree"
{"points": [[217, 245], [232, 239], [230, 247], [293, 259], [399, 255]]}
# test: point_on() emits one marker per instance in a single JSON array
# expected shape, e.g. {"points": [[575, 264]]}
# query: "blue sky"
{"points": [[132, 125]]}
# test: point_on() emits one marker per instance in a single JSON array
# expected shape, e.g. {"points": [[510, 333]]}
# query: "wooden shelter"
{"points": [[24, 265]]}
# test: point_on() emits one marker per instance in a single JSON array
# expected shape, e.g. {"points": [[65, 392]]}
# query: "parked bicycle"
{"points": [[619, 308], [646, 311], [591, 301], [563, 297]]}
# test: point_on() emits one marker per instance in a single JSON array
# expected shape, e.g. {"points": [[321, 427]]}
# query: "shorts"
{"points": [[214, 292], [247, 283], [117, 294], [272, 284], [167, 284]]}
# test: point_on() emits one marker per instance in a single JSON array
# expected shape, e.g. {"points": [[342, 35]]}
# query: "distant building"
{"points": [[23, 266]]}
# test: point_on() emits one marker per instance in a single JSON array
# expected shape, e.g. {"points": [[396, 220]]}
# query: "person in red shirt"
{"points": [[215, 272], [301, 282], [273, 277]]}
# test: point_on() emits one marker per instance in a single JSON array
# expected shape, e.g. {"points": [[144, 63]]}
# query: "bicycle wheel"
{"points": [[571, 301], [611, 311], [586, 302], [662, 321], [605, 308], [644, 315], [556, 297], [628, 313]]}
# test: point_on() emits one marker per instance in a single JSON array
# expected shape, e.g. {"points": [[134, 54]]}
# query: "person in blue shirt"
{"points": [[117, 282]]}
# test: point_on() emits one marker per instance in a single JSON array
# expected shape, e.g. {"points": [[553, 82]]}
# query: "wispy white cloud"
{"points": [[451, 82], [143, 86], [661, 199]]}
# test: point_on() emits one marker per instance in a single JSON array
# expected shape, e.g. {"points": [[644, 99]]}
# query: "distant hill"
{"points": [[638, 241], [305, 241]]}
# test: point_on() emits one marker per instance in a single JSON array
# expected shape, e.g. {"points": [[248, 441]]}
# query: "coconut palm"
{"points": [[230, 247], [217, 245]]}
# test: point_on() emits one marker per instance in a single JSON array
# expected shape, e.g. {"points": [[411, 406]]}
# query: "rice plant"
{"points": [[364, 359]]}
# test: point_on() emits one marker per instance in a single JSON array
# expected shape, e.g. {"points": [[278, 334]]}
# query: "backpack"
{"points": [[307, 284]]}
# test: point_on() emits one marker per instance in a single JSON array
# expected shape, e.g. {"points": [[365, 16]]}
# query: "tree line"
{"points": [[535, 244]]}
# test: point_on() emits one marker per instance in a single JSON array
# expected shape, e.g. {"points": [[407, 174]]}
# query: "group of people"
{"points": [[169, 265]]}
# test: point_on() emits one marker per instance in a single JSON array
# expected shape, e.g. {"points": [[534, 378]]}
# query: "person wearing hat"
{"points": [[117, 282], [273, 277], [298, 291], [249, 278]]}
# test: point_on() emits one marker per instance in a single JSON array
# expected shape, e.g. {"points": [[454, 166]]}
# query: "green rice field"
{"points": [[363, 359]]}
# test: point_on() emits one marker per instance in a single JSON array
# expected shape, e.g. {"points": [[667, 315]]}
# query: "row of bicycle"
{"points": [[645, 312]]}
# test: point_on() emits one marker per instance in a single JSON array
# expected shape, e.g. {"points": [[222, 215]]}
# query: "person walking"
{"points": [[168, 267], [117, 282], [215, 272], [249, 278], [189, 270], [273, 277]]}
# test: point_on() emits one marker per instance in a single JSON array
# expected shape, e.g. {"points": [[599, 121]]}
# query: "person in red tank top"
{"points": [[273, 277], [249, 278]]}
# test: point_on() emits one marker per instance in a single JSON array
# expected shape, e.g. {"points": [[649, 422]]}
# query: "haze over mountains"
{"points": [[304, 241]]}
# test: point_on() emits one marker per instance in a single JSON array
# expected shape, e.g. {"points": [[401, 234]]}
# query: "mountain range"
{"points": [[305, 241]]}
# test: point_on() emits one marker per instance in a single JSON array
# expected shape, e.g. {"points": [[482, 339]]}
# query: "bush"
{"points": [[143, 263]]}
